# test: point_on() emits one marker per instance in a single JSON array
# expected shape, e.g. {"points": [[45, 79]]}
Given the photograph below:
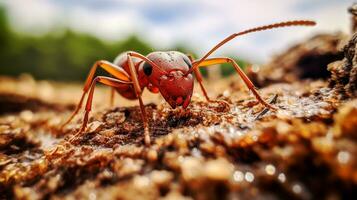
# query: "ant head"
{"points": [[169, 75], [176, 88]]}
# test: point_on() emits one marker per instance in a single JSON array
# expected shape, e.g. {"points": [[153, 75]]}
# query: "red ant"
{"points": [[169, 73]]}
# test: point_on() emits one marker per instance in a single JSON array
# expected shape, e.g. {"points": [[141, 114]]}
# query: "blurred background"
{"points": [[60, 40]]}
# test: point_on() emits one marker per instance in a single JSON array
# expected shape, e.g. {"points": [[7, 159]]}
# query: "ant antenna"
{"points": [[134, 54], [260, 28]]}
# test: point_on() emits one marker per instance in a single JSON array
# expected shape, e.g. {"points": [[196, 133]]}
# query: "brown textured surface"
{"points": [[305, 150], [344, 72]]}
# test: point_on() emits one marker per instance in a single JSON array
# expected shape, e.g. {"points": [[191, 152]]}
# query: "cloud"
{"points": [[199, 24], [33, 16]]}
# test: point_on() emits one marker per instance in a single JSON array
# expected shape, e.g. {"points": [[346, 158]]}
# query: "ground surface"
{"points": [[305, 150]]}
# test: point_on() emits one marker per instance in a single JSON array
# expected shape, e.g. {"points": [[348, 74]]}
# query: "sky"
{"points": [[199, 24]]}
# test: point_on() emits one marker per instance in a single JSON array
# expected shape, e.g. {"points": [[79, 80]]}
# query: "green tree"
{"points": [[65, 56]]}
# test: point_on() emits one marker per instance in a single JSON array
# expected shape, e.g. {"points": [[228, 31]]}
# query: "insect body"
{"points": [[167, 76], [169, 73]]}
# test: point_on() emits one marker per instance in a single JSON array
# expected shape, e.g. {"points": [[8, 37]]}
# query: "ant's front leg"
{"points": [[134, 78], [200, 82], [199, 78]]}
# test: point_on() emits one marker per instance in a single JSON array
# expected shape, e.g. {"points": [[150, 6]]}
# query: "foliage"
{"points": [[63, 56]]}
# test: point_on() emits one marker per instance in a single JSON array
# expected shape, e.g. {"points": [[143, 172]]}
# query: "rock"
{"points": [[344, 72], [346, 120], [353, 11], [309, 59], [218, 170]]}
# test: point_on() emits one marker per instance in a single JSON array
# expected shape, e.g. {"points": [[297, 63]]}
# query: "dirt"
{"points": [[211, 150]]}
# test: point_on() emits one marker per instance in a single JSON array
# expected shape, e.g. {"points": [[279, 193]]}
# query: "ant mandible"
{"points": [[169, 73]]}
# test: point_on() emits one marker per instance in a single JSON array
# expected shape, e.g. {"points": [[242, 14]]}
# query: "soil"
{"points": [[211, 150]]}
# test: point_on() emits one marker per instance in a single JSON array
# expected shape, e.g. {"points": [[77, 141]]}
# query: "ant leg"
{"points": [[273, 100], [200, 81], [112, 94], [199, 78], [79, 105], [112, 69], [138, 92], [106, 81], [247, 81]]}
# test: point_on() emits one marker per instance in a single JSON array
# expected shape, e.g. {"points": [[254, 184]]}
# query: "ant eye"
{"points": [[187, 61], [147, 69]]}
